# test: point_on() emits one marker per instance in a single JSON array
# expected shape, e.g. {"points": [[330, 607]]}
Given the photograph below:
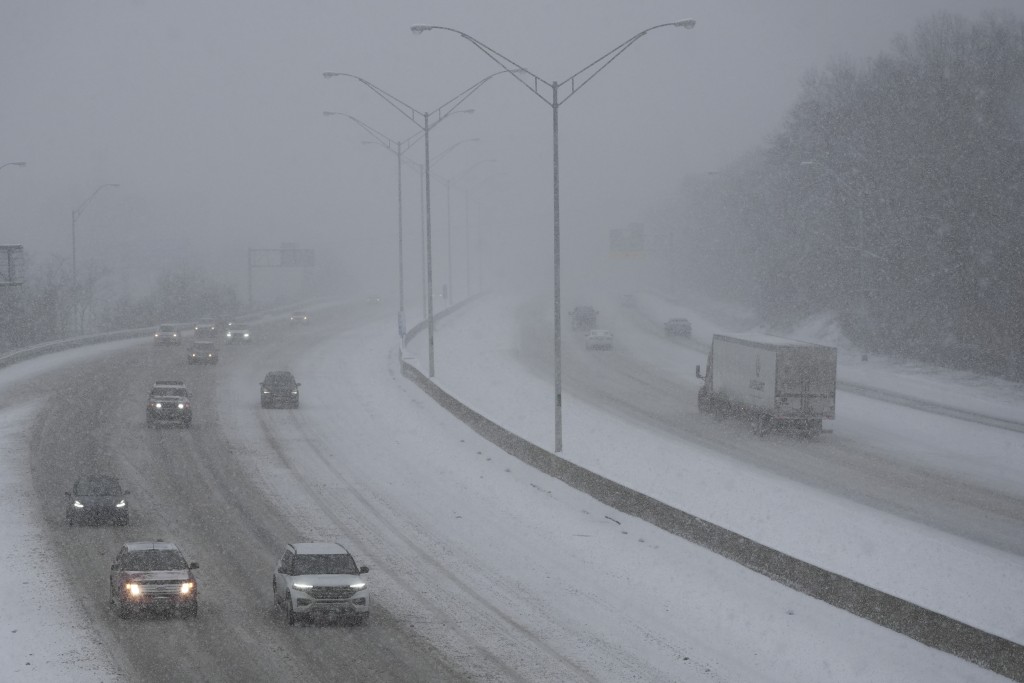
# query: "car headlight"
{"points": [[120, 505], [294, 392], [181, 406], [158, 405], [78, 504], [358, 586], [246, 335], [186, 587], [266, 391], [157, 335], [134, 589], [302, 586]]}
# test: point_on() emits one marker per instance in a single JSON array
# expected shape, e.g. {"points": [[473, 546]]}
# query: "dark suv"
{"points": [[169, 404], [279, 389], [153, 574]]}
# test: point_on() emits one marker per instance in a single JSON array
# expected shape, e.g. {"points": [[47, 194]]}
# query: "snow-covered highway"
{"points": [[481, 568]]}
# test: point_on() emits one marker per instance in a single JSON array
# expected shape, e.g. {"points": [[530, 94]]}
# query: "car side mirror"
{"points": [[698, 373], [193, 565], [67, 493], [113, 567], [364, 569]]}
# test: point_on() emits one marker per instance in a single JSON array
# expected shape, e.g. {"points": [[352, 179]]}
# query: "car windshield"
{"points": [[153, 560], [176, 392], [167, 328], [324, 564], [281, 380], [98, 486]]}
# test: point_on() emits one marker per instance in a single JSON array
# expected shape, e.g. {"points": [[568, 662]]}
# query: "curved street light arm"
{"points": [[81, 208], [520, 72], [595, 67], [599, 64], [420, 118], [380, 137], [406, 110], [14, 163]]}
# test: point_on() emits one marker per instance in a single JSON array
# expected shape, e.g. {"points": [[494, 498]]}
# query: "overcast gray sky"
{"points": [[208, 115]]}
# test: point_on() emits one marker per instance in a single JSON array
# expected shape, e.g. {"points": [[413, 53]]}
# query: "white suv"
{"points": [[321, 579]]}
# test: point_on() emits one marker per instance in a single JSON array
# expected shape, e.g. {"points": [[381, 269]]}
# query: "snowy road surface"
{"points": [[481, 569]]}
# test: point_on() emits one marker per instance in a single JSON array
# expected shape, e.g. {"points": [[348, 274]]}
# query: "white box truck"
{"points": [[777, 383]]}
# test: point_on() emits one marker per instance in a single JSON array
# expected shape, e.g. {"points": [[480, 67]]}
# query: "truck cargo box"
{"points": [[779, 382]]}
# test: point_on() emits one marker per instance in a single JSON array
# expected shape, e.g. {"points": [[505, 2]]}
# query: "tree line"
{"points": [[50, 306], [892, 197]]}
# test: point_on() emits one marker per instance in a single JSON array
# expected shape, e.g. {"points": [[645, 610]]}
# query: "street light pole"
{"points": [[415, 115], [14, 163], [75, 213], [533, 83], [389, 143]]}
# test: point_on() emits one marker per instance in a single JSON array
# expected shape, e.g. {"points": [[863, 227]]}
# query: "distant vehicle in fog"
{"points": [[97, 498], [169, 403], [279, 389], [299, 317], [598, 339], [583, 318], [678, 327], [203, 352], [167, 334], [238, 333]]}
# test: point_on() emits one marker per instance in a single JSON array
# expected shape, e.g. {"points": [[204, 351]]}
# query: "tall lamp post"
{"points": [[534, 83], [425, 120], [397, 147], [74, 220], [448, 187]]}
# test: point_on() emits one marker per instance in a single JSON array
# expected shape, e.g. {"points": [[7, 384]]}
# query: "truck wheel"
{"points": [[703, 404]]}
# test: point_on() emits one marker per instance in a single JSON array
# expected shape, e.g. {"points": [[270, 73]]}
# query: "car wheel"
{"points": [[124, 520], [289, 610], [123, 612], [192, 611], [362, 619]]}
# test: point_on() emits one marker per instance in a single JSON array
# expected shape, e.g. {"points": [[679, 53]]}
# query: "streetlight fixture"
{"points": [[534, 82], [14, 163], [396, 147], [425, 120]]}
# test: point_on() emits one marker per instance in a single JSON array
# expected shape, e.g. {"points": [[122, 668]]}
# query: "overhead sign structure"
{"points": [[12, 265], [288, 256]]}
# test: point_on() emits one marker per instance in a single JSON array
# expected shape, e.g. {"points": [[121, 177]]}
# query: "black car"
{"points": [[279, 389], [153, 575], [97, 499], [169, 404]]}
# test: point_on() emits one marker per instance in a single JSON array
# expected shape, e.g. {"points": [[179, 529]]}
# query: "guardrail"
{"points": [[931, 628]]}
